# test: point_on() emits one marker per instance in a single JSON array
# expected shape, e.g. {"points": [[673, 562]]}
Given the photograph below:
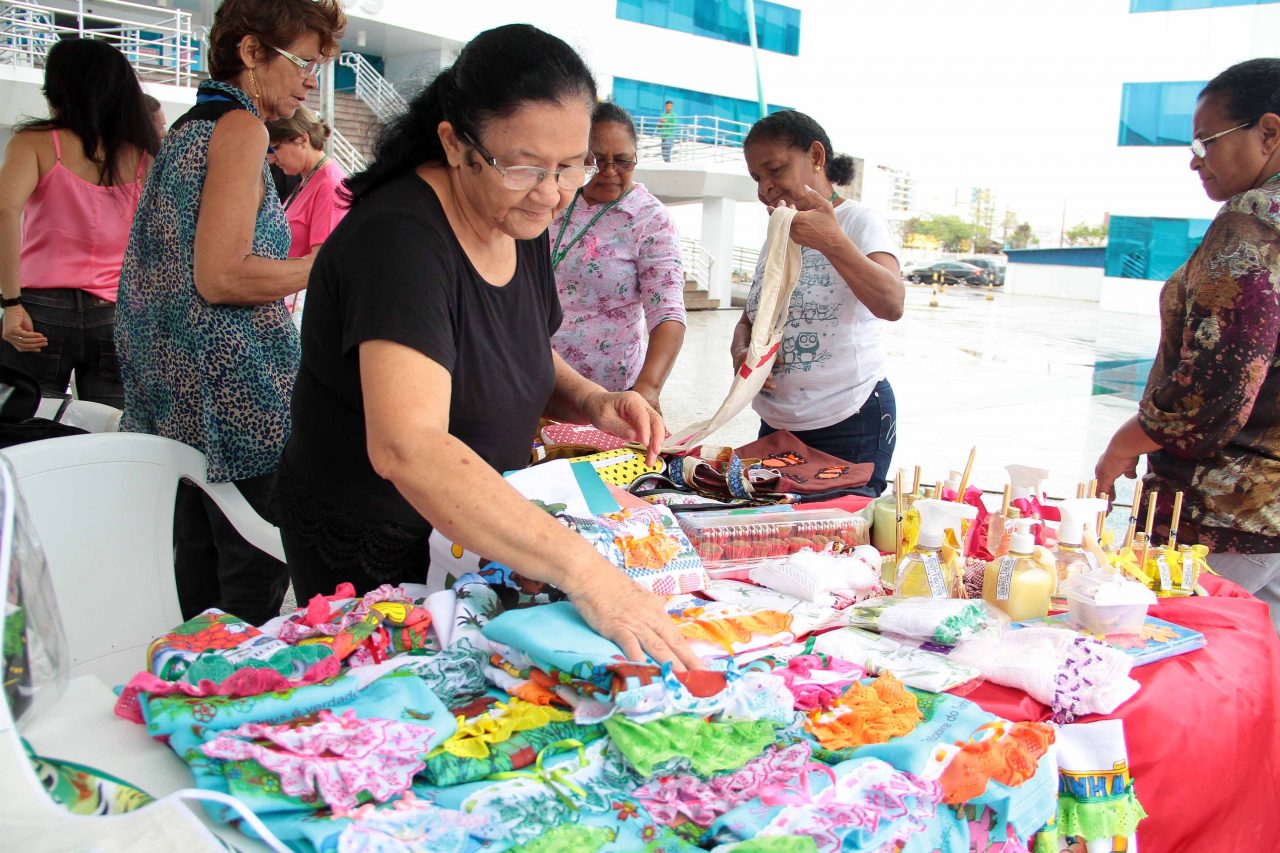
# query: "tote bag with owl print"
{"points": [[781, 270]]}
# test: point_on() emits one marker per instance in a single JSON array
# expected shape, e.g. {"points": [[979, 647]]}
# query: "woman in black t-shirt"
{"points": [[426, 355]]}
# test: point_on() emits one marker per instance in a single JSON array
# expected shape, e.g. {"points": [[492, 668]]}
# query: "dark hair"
{"points": [[496, 73], [1247, 90], [607, 112], [93, 92], [275, 23], [800, 131], [302, 123], [152, 102]]}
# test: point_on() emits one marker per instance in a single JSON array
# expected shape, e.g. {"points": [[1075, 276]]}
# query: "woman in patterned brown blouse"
{"points": [[1209, 420]]}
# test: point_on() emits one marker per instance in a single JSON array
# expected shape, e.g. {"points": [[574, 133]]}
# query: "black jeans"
{"points": [[213, 564], [868, 435], [81, 332]]}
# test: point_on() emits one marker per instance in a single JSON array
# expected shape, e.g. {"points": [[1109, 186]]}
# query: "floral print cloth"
{"points": [[616, 284], [339, 757], [1212, 399]]}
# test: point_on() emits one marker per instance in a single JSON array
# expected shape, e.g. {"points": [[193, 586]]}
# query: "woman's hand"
{"points": [[650, 394], [20, 332], [815, 225], [739, 355], [627, 415], [617, 608], [1111, 466]]}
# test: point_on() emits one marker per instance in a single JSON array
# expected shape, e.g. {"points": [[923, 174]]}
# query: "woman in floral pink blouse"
{"points": [[1209, 422], [616, 256]]}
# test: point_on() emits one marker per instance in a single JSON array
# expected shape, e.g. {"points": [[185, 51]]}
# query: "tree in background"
{"points": [[1083, 234], [1022, 238], [948, 233]]}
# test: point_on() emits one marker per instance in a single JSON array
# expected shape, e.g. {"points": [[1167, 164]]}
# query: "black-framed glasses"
{"points": [[306, 67], [1200, 147], [528, 177], [620, 164]]}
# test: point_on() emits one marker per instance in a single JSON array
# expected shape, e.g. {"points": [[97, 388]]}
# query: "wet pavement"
{"points": [[1027, 380]]}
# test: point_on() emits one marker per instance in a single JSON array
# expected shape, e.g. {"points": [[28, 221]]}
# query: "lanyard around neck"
{"points": [[293, 196], [558, 254]]}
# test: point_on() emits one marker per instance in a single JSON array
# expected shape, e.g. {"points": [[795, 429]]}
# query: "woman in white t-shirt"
{"points": [[828, 384]]}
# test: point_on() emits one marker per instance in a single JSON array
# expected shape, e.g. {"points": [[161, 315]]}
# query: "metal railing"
{"points": [[692, 138], [347, 155], [374, 89], [745, 262], [159, 43], [697, 262]]}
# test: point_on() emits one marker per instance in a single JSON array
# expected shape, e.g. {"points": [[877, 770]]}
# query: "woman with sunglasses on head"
{"points": [[828, 384], [1209, 419], [208, 352], [616, 255], [426, 347]]}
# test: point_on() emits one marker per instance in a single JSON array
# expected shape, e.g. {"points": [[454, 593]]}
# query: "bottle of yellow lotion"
{"points": [[922, 573], [1015, 583]]}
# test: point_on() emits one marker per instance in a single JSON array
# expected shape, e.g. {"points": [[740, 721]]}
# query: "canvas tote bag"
{"points": [[781, 269]]}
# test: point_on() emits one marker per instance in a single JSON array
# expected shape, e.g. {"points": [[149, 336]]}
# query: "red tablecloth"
{"points": [[1203, 732]]}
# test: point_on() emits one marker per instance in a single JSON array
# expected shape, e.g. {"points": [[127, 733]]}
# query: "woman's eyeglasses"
{"points": [[620, 164], [1200, 147], [306, 68], [528, 177]]}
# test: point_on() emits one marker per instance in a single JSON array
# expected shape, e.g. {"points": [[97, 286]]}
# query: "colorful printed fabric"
{"points": [[806, 617], [249, 681], [384, 622], [704, 747], [85, 790], [674, 798], [716, 630], [171, 655], [945, 621], [556, 637], [474, 737], [866, 714], [616, 284], [648, 546], [455, 673], [516, 753], [337, 758], [818, 681], [216, 377], [408, 825], [915, 664], [1212, 400]]}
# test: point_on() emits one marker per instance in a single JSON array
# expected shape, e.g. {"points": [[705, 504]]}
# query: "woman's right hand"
{"points": [[739, 355], [20, 332], [634, 618]]}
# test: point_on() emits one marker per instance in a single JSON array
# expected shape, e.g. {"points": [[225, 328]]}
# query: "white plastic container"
{"points": [[1102, 603]]}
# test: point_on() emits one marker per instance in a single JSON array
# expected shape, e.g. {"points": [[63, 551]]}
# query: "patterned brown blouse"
{"points": [[1212, 400]]}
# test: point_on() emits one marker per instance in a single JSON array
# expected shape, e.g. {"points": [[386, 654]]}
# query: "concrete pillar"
{"points": [[327, 99], [717, 238]]}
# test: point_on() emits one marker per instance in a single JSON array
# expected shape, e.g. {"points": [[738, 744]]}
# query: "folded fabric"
{"points": [[914, 666], [169, 656], [248, 681], [805, 470], [818, 577], [558, 437], [338, 758], [706, 747], [818, 681], [556, 635], [1096, 799], [1075, 675], [866, 714], [675, 798], [85, 790], [716, 630], [382, 623], [517, 752], [806, 617], [474, 737], [648, 546], [945, 621], [455, 674], [771, 844], [407, 825], [1007, 753]]}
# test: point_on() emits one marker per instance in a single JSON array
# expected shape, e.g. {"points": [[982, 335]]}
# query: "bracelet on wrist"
{"points": [[6, 302]]}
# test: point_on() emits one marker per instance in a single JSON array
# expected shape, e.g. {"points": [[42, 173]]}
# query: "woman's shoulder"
{"points": [[1261, 203]]}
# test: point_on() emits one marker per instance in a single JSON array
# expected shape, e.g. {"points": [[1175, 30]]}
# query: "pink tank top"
{"points": [[74, 233]]}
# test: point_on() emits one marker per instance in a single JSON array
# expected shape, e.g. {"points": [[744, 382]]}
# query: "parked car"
{"points": [[993, 268], [949, 272]]}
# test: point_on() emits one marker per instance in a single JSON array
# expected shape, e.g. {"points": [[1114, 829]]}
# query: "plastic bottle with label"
{"points": [[1070, 554], [923, 573], [1016, 583]]}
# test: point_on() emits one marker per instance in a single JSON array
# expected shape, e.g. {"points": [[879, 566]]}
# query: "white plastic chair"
{"points": [[102, 507], [86, 414], [79, 727]]}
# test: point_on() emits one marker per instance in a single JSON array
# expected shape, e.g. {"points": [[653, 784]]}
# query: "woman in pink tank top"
{"points": [[69, 187]]}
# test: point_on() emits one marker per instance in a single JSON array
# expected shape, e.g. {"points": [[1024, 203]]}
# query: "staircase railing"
{"points": [[374, 89], [159, 43], [347, 155], [697, 262], [692, 138]]}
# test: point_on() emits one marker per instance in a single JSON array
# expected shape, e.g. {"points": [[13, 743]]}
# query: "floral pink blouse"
{"points": [[617, 283]]}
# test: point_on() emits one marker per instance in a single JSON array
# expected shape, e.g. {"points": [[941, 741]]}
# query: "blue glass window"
{"points": [[1150, 248], [1158, 113], [648, 99], [777, 26], [1179, 5]]}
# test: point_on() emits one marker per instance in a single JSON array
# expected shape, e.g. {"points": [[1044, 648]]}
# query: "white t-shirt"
{"points": [[831, 356]]}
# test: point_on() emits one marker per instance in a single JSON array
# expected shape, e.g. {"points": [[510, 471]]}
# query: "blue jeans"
{"points": [[667, 143], [868, 435], [81, 332]]}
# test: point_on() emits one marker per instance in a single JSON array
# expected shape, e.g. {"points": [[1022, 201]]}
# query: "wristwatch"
{"points": [[9, 303]]}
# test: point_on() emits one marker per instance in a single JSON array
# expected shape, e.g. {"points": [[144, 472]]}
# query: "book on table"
{"points": [[1157, 640]]}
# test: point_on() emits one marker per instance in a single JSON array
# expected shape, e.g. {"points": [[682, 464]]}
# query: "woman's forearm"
{"points": [[250, 280], [10, 252], [571, 398], [664, 347], [875, 286]]}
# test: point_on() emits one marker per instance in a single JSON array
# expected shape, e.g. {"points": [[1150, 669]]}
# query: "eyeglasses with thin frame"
{"points": [[306, 67], [1200, 147], [528, 177], [620, 164]]}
